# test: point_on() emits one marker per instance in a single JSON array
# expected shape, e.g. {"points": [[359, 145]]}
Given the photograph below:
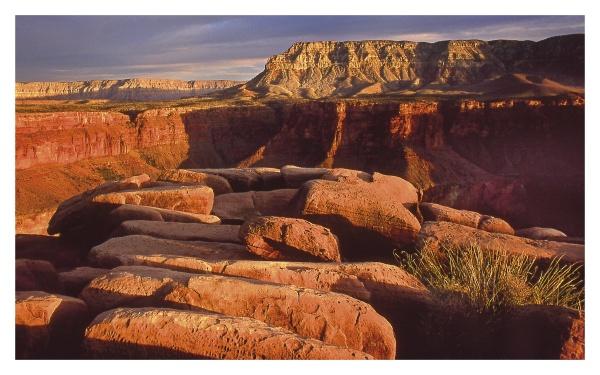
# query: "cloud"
{"points": [[229, 47]]}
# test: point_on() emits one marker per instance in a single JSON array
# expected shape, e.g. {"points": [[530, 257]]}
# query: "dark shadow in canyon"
{"points": [[480, 152]]}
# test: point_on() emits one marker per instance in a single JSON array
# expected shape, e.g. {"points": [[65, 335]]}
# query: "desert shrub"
{"points": [[493, 281]]}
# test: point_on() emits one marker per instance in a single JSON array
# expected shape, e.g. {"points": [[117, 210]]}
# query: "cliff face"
{"points": [[212, 137], [524, 156], [65, 137], [127, 89], [344, 69], [506, 137]]}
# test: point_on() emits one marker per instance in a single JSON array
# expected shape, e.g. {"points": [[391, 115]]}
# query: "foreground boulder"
{"points": [[398, 296], [367, 281], [396, 188], [539, 233], [134, 212], [367, 220], [139, 333], [437, 212], [79, 209], [376, 283], [238, 207], [434, 235], [341, 320], [194, 199], [48, 325], [36, 275], [73, 281], [139, 250], [281, 238], [180, 231], [219, 184], [294, 176]]}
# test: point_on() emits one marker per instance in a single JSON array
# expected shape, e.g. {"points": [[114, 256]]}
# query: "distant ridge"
{"points": [[312, 70], [125, 89]]}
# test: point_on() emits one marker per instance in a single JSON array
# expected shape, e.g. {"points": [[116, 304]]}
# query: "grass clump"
{"points": [[493, 281]]}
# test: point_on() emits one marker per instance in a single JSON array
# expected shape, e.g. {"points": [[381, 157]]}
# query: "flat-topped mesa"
{"points": [[125, 89], [349, 68]]}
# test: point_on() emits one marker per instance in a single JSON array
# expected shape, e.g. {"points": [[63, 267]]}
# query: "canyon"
{"points": [[521, 159], [276, 218]]}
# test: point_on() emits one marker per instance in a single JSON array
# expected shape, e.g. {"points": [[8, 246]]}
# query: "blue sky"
{"points": [[65, 48]]}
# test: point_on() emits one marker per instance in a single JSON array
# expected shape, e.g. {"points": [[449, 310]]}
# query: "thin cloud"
{"points": [[230, 47]]}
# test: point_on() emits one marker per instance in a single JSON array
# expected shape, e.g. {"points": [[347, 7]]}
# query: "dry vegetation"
{"points": [[490, 282]]}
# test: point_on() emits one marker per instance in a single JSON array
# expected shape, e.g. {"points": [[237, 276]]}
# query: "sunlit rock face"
{"points": [[351, 68]]}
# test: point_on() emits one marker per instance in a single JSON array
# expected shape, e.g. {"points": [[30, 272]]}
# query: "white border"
{"points": [[258, 7]]}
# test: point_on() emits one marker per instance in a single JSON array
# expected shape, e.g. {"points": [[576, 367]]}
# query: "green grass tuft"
{"points": [[493, 281]]}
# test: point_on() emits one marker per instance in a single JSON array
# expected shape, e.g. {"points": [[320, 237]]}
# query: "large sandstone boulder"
{"points": [[542, 332], [335, 319], [495, 225], [368, 281], [363, 280], [539, 233], [398, 296], [294, 176], [437, 212], [396, 188], [48, 325], [138, 249], [248, 179], [433, 235], [56, 250], [180, 231], [79, 209], [139, 333], [219, 184], [368, 221], [194, 199], [36, 275], [238, 207], [281, 238], [134, 212], [73, 281]]}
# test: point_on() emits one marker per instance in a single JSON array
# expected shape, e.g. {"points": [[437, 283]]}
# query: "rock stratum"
{"points": [[126, 89], [498, 68]]}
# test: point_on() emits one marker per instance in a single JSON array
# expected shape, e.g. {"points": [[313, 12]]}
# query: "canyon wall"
{"points": [[125, 89], [214, 137], [519, 159]]}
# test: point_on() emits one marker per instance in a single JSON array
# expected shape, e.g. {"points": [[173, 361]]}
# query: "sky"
{"points": [[69, 48]]}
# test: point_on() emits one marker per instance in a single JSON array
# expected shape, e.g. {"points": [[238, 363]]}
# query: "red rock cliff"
{"points": [[498, 157]]}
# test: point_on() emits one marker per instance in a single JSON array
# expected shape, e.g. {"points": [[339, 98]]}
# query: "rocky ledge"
{"points": [[197, 265]]}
